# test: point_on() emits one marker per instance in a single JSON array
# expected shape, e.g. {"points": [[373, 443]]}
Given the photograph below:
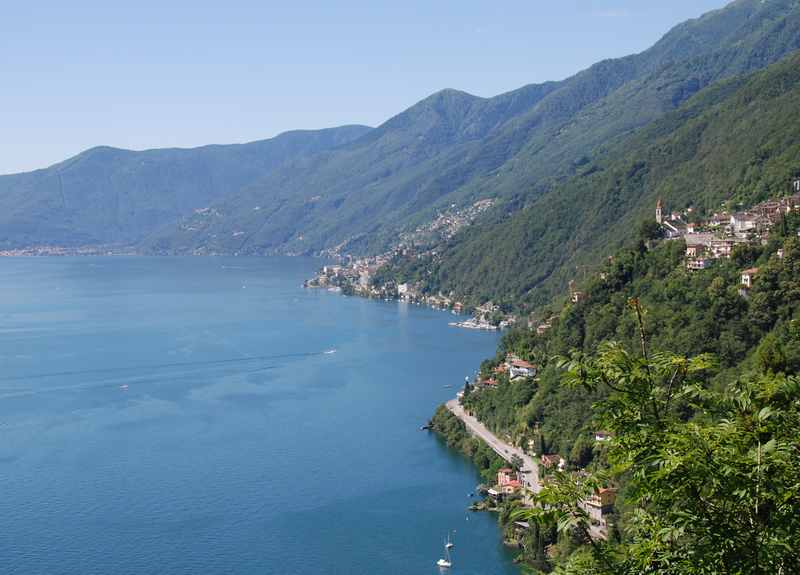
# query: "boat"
{"points": [[449, 544], [445, 562]]}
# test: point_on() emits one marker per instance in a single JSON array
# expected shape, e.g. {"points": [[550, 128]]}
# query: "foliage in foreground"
{"points": [[711, 478]]}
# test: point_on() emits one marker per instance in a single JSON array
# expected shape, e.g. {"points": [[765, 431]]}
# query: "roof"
{"points": [[523, 364], [751, 271], [552, 458]]}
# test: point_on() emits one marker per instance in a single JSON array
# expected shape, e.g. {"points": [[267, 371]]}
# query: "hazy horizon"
{"points": [[188, 75]]}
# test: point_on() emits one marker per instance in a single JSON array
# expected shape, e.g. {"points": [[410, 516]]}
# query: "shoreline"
{"points": [[530, 469]]}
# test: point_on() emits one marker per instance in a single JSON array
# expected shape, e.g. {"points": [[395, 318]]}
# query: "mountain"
{"points": [[354, 190], [735, 142], [394, 173], [106, 195], [453, 148]]}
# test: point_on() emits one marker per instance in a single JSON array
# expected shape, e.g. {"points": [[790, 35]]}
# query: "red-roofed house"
{"points": [[512, 487], [508, 481], [521, 368]]}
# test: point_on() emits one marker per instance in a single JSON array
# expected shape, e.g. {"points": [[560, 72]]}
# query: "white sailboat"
{"points": [[445, 563], [449, 544]]}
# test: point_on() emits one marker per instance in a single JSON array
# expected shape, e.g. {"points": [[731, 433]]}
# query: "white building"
{"points": [[520, 368], [747, 277]]}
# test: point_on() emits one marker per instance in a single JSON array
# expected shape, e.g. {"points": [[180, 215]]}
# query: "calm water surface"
{"points": [[171, 416]]}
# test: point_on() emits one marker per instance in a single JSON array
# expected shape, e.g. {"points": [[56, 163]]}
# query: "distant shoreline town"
{"points": [[357, 276], [56, 251]]}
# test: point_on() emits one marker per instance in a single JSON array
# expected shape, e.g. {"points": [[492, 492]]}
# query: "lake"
{"points": [[209, 415]]}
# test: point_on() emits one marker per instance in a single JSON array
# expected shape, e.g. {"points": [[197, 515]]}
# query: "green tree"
{"points": [[716, 492]]}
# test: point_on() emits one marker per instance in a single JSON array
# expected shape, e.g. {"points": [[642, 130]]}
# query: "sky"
{"points": [[152, 74]]}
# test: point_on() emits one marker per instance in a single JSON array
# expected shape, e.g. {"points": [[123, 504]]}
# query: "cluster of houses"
{"points": [[717, 237], [446, 224], [355, 275], [409, 293], [598, 507], [66, 251], [509, 481], [600, 504]]}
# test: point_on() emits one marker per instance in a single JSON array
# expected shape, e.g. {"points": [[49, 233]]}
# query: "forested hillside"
{"points": [[735, 142], [692, 378], [687, 313]]}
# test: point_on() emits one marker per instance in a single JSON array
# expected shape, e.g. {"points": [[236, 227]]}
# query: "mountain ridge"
{"points": [[451, 148], [732, 142], [113, 195], [514, 146]]}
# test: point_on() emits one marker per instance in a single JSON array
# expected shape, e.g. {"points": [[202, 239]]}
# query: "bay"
{"points": [[208, 415]]}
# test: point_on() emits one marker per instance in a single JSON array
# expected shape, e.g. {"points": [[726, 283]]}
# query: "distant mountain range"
{"points": [[355, 189], [111, 196]]}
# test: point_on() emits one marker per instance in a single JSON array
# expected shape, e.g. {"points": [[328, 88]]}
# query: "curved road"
{"points": [[530, 469]]}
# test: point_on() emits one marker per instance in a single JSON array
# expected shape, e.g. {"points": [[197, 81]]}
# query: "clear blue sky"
{"points": [[148, 73]]}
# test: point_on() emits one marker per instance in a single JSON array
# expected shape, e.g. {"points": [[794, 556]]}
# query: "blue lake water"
{"points": [[181, 415]]}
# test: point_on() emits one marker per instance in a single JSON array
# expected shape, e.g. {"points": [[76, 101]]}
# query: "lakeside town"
{"points": [[707, 240], [48, 250], [356, 276]]}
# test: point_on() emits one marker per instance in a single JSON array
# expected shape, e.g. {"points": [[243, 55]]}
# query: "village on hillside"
{"points": [[355, 276], [706, 240], [717, 236]]}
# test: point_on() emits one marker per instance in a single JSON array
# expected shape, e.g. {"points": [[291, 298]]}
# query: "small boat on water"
{"points": [[449, 544], [445, 562]]}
